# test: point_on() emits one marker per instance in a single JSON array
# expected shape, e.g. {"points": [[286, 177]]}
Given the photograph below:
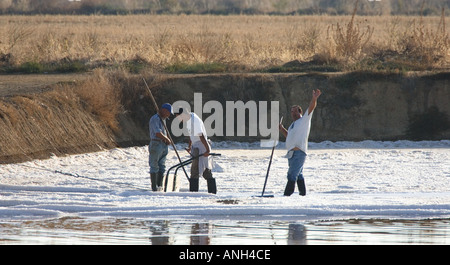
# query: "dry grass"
{"points": [[426, 45], [242, 43], [99, 97], [66, 119], [349, 41]]}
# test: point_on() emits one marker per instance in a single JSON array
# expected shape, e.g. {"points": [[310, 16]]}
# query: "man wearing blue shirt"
{"points": [[158, 147], [297, 144]]}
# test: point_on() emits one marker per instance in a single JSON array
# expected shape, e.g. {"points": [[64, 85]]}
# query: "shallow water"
{"points": [[81, 231]]}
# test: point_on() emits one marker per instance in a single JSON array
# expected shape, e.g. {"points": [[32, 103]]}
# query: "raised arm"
{"points": [[282, 130], [315, 95]]}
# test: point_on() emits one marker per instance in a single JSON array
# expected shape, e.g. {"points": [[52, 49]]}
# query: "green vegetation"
{"points": [[196, 68], [223, 7]]}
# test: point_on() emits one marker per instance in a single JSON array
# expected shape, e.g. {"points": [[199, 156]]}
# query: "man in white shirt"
{"points": [[297, 144], [199, 147]]}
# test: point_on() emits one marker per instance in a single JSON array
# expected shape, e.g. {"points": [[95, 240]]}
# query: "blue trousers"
{"points": [[296, 162], [157, 156]]}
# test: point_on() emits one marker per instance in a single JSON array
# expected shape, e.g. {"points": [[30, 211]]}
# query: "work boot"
{"points": [[193, 184], [301, 187], [207, 174], [153, 180], [212, 188], [159, 182], [290, 186]]}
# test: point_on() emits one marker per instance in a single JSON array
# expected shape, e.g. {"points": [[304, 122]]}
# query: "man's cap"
{"points": [[168, 107]]}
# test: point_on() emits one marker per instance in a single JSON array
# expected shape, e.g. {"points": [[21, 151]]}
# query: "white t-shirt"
{"points": [[195, 128], [298, 133]]}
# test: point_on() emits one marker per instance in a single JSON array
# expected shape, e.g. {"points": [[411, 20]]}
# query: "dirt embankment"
{"points": [[353, 106], [41, 115]]}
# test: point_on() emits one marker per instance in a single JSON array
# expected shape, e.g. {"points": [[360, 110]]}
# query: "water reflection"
{"points": [[365, 232], [160, 233], [200, 234], [75, 230], [296, 234], [226, 232]]}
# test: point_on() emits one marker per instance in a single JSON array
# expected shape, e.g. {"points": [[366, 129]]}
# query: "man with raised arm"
{"points": [[297, 144]]}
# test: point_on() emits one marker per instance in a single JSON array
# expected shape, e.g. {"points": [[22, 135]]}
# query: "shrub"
{"points": [[350, 40], [426, 47], [31, 68], [70, 67], [196, 68]]}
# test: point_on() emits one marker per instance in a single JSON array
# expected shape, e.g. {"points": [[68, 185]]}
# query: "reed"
{"points": [[350, 40]]}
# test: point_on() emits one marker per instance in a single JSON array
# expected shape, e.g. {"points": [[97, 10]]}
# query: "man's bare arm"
{"points": [[163, 138], [312, 105], [283, 130], [205, 143]]}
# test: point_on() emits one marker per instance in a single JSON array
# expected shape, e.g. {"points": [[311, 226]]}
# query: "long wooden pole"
{"points": [[165, 127], [270, 162]]}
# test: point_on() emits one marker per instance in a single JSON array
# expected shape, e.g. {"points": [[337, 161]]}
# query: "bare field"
{"points": [[11, 85], [242, 43]]}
